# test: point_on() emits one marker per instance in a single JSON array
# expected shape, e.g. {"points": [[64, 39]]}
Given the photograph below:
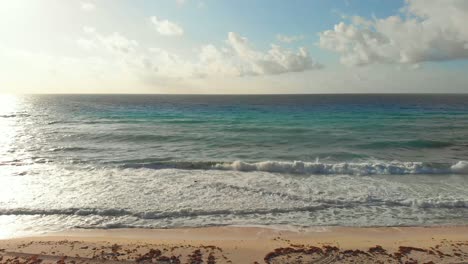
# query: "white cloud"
{"points": [[289, 39], [237, 58], [166, 27], [118, 43], [427, 30], [87, 6], [117, 50], [215, 61], [277, 60], [114, 42]]}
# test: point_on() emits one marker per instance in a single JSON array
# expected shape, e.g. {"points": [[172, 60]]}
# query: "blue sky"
{"points": [[242, 46], [208, 21]]}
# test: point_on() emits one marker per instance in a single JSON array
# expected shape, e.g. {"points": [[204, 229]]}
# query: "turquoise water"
{"points": [[153, 129], [292, 159]]}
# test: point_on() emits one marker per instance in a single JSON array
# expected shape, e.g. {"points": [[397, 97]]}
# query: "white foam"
{"points": [[460, 167], [103, 197], [364, 168]]}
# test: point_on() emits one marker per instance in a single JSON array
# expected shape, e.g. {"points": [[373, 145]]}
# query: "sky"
{"points": [[233, 47]]}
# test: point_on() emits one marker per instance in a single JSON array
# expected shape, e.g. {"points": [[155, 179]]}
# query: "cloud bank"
{"points": [[425, 30], [236, 58], [277, 60]]}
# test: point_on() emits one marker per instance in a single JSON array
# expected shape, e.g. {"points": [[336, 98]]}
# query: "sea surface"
{"points": [[165, 161]]}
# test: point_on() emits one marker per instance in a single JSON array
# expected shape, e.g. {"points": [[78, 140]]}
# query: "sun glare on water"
{"points": [[8, 104], [8, 111]]}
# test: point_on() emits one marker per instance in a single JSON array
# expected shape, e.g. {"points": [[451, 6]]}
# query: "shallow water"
{"points": [[113, 161]]}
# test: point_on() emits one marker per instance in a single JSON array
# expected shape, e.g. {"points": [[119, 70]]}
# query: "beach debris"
{"points": [[280, 252], [292, 253], [152, 254], [168, 260], [354, 253], [155, 256], [62, 260], [330, 249], [33, 260], [378, 250], [211, 259], [115, 247], [196, 257]]}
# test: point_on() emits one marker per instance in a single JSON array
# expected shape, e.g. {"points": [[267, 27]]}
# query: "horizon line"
{"points": [[245, 94]]}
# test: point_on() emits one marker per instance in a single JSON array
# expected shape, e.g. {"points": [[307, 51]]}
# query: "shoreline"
{"points": [[247, 244]]}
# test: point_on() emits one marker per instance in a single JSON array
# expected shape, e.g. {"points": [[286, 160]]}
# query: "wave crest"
{"points": [[365, 168], [312, 207], [318, 168]]}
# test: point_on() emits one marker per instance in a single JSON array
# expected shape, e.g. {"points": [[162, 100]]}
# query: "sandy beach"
{"points": [[243, 245]]}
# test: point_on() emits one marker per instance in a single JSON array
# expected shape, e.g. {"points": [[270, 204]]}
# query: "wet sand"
{"points": [[243, 245]]}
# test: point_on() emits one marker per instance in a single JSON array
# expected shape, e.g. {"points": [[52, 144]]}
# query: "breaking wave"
{"points": [[300, 167], [315, 206]]}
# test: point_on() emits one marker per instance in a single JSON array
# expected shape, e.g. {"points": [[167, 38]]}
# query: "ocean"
{"points": [[166, 161]]}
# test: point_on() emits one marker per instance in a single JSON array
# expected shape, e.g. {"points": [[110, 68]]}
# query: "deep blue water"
{"points": [[335, 128]]}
